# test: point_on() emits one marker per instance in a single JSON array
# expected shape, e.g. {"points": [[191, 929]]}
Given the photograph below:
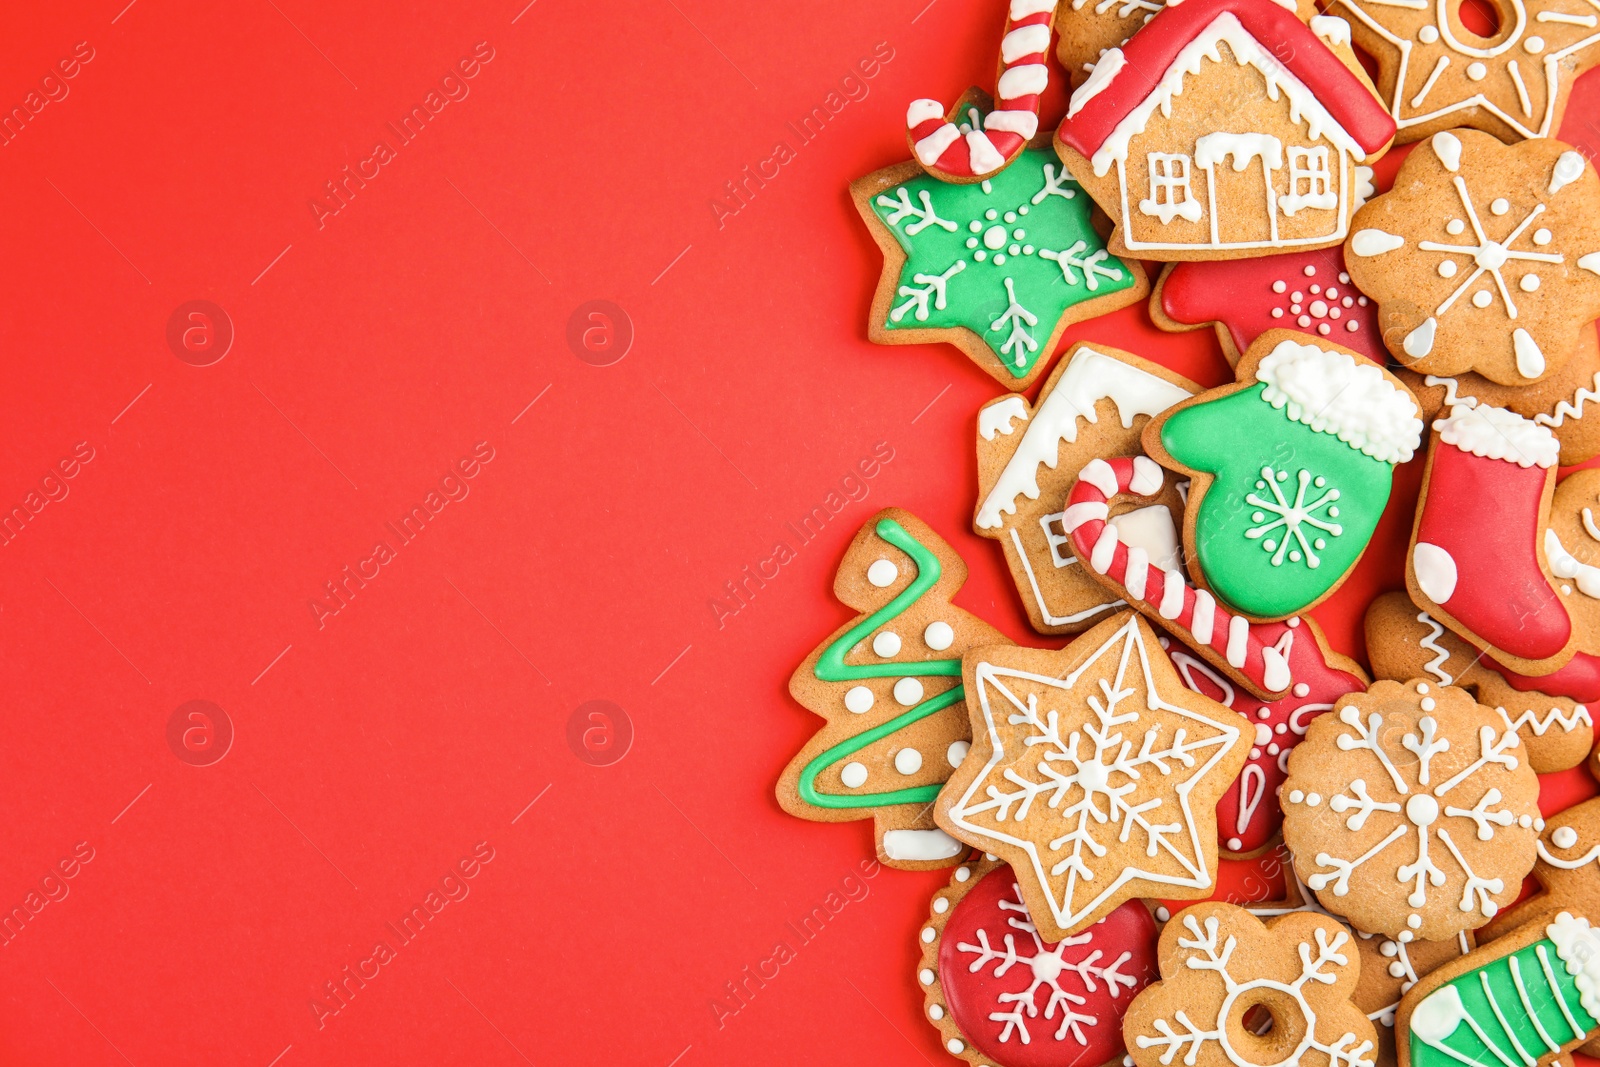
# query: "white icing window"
{"points": [[1060, 544], [1170, 195], [1310, 184]]}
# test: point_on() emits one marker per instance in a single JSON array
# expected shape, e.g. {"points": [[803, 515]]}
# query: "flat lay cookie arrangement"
{"points": [[1413, 342]]}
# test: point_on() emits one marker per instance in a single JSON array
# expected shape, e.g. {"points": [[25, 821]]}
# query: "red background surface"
{"points": [[374, 348]]}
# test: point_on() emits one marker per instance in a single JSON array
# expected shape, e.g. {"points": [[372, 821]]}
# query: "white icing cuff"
{"points": [[1024, 123], [1025, 41], [1099, 78], [921, 111], [931, 147], [1579, 948], [920, 845], [1027, 80], [1333, 393], [1495, 433]]}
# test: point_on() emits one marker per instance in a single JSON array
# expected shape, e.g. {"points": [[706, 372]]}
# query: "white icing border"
{"points": [[1334, 393]]}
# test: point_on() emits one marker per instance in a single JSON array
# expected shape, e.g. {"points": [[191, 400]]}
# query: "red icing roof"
{"points": [[1152, 50]]}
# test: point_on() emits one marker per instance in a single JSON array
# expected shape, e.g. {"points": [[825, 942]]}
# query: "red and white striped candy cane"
{"points": [[1254, 653], [939, 145]]}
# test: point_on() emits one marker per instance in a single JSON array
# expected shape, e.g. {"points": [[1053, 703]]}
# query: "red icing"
{"points": [[1238, 293], [1080, 987], [1154, 48], [1285, 720], [1579, 680]]}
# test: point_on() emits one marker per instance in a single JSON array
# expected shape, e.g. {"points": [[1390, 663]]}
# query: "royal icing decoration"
{"points": [[1096, 779], [1007, 262], [1308, 441], [1435, 829], [1475, 267], [1307, 291], [1025, 473], [889, 685], [1437, 73], [1283, 184], [1253, 654], [1249, 815], [1017, 1000], [1223, 965]]}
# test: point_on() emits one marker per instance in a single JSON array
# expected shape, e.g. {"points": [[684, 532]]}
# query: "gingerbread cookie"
{"points": [[1483, 257], [1526, 998], [1244, 298], [1001, 994], [1253, 655], [1248, 815], [1412, 811], [1141, 133], [889, 685], [999, 268], [1560, 400], [1222, 968], [1093, 772], [1434, 72], [1290, 470], [1095, 403], [1404, 642], [1477, 560]]}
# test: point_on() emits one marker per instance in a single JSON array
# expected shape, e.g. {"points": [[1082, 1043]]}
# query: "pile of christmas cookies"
{"points": [[1092, 799]]}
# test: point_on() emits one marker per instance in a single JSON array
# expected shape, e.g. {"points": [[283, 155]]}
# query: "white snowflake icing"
{"points": [[1293, 517], [1047, 968], [1091, 265], [933, 286], [1207, 955], [1020, 341], [903, 208], [1118, 767]]}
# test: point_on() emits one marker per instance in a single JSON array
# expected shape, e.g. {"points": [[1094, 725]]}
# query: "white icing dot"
{"points": [[1255, 753], [1324, 329], [1534, 45], [1313, 799], [962, 874], [926, 976], [1011, 216], [1406, 935], [908, 761], [1296, 796], [854, 775], [1361, 300], [974, 226], [1297, 296], [990, 856], [941, 904], [956, 1046], [1396, 970], [991, 214], [1304, 320], [957, 752], [1477, 71], [1447, 268], [1023, 210], [858, 699], [1318, 308], [935, 1012], [939, 636], [999, 257], [972, 242], [1263, 713], [1272, 749], [1019, 233], [1027, 250], [1529, 282], [1525, 821], [1500, 205], [1295, 308], [908, 691], [1428, 704], [1162, 912], [1428, 34], [928, 934], [1564, 837], [1311, 272], [1538, 824], [980, 255], [886, 644], [1281, 728], [1482, 298], [1541, 236], [883, 573], [1015, 250], [1388, 948], [1234, 844], [1422, 687], [1414, 921], [1347, 302], [1279, 286], [1330, 292], [1454, 226], [1277, 313], [1344, 278], [1352, 326]]}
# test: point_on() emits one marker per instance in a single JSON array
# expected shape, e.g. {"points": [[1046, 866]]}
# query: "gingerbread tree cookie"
{"points": [[1094, 773], [999, 268], [1002, 995], [1434, 72], [1483, 257], [1095, 403], [889, 685], [1405, 642], [1220, 965], [1411, 810]]}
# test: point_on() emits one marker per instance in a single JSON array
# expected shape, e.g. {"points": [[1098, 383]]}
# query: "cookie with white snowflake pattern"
{"points": [[1001, 994], [1093, 772], [1411, 810], [1094, 404], [1483, 256], [1403, 641], [1562, 400], [998, 268], [889, 685], [1434, 72], [1222, 968]]}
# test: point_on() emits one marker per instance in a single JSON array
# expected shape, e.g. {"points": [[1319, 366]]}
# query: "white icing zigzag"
{"points": [[1574, 407], [1554, 717], [1435, 666]]}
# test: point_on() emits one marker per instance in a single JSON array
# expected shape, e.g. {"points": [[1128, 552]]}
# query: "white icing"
{"points": [[1205, 616], [997, 417], [1568, 169], [1497, 433], [982, 154], [908, 691], [1022, 123], [886, 644], [1104, 71], [859, 699], [883, 573], [1084, 511], [1331, 28], [1438, 1014], [1151, 530], [908, 761], [1105, 548], [957, 752], [1579, 948], [920, 845], [1090, 377], [1098, 473], [1419, 342], [1447, 146], [1021, 9], [931, 147], [1029, 79], [1375, 242], [1590, 262], [1214, 148], [939, 635], [1530, 360], [921, 111], [1024, 41], [853, 775], [1435, 570], [1332, 392], [1429, 641], [1564, 837], [1147, 476], [1238, 640], [1172, 587], [1564, 565]]}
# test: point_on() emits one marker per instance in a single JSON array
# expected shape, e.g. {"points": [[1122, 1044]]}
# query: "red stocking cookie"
{"points": [[1001, 994]]}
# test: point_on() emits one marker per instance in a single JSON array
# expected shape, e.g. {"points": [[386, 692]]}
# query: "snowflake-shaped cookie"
{"points": [[1221, 965], [1412, 811], [1001, 994], [1094, 773], [999, 268], [1435, 72], [1483, 257]]}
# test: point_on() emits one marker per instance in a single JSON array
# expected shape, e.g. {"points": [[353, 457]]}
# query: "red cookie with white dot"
{"points": [[1003, 996]]}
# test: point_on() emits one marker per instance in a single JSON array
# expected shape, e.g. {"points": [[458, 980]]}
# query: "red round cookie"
{"points": [[1025, 1003]]}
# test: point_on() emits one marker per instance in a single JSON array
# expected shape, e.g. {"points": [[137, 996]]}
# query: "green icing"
{"points": [[1290, 508], [831, 667], [1506, 1013], [1004, 257]]}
